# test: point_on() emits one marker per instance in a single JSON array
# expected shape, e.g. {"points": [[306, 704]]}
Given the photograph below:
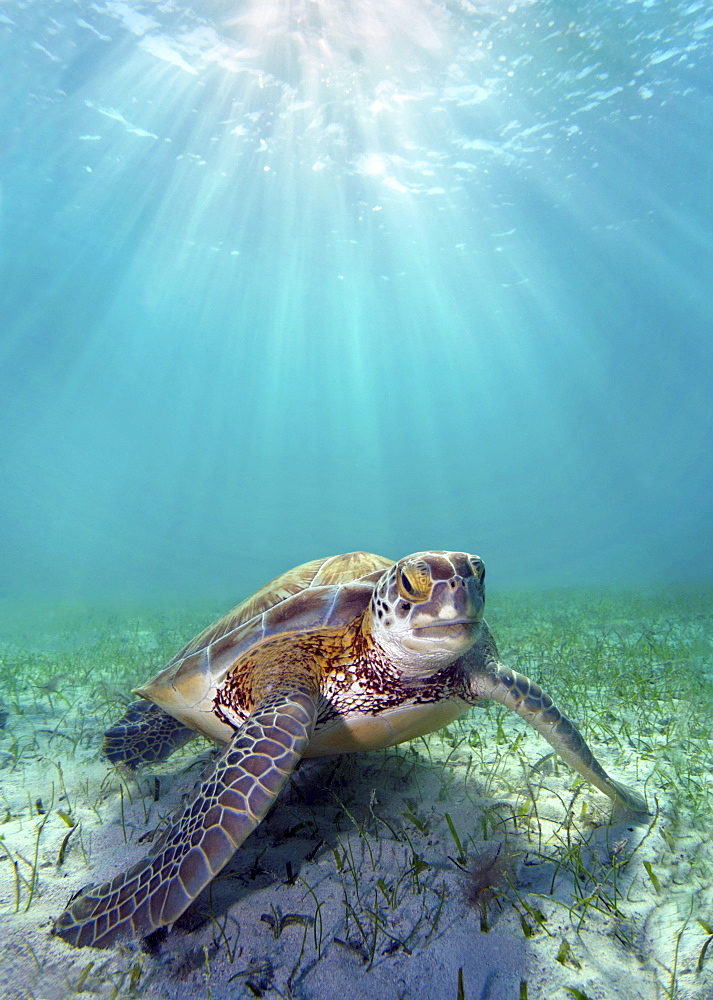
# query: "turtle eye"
{"points": [[406, 588], [413, 581], [478, 568]]}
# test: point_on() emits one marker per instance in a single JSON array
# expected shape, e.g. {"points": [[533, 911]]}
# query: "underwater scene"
{"points": [[283, 280]]}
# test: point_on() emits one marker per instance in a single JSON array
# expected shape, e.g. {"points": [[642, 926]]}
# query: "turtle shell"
{"points": [[324, 593]]}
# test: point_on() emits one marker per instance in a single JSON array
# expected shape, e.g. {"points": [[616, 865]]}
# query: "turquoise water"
{"points": [[281, 280]]}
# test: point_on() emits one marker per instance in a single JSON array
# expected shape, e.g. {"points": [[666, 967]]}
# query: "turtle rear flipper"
{"points": [[145, 734], [231, 800]]}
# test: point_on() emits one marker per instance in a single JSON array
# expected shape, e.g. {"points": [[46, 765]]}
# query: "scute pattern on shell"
{"points": [[329, 572]]}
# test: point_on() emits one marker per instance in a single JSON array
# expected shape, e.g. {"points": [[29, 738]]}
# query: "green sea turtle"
{"points": [[354, 652]]}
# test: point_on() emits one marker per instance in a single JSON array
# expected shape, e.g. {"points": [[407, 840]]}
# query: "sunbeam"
{"points": [[330, 275]]}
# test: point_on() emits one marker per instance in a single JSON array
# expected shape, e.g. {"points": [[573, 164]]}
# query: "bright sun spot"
{"points": [[372, 165]]}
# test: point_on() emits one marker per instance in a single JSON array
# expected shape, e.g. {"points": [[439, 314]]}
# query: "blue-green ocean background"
{"points": [[280, 280]]}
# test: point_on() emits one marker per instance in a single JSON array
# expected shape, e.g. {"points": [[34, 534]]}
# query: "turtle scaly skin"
{"points": [[343, 654], [499, 683], [234, 797], [145, 734]]}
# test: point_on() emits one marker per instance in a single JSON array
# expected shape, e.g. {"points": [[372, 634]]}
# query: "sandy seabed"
{"points": [[359, 883]]}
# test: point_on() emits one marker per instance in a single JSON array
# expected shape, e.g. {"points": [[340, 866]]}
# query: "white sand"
{"points": [[356, 919]]}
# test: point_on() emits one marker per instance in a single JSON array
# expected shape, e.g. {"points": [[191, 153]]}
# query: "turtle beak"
{"points": [[456, 635], [452, 603], [457, 623]]}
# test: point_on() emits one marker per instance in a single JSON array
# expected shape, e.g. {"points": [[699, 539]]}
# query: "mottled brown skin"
{"points": [[336, 658], [349, 653]]}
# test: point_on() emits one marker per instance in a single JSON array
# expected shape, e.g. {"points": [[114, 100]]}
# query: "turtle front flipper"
{"points": [[145, 734], [491, 679], [230, 802]]}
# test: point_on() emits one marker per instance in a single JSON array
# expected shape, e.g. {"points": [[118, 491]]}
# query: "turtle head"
{"points": [[426, 609]]}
